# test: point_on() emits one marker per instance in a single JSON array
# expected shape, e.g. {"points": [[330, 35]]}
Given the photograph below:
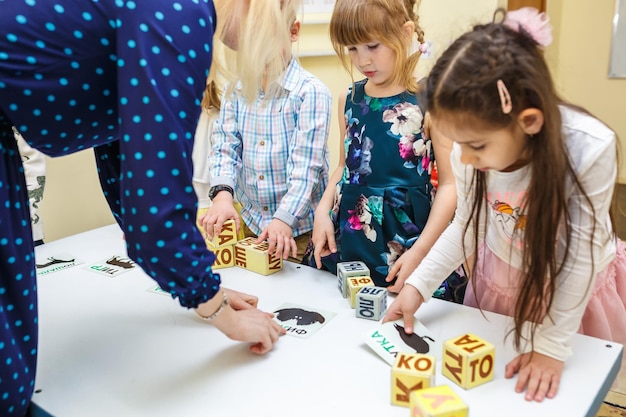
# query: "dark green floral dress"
{"points": [[384, 197]]}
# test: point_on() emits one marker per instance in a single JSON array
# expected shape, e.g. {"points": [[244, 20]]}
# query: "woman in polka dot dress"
{"points": [[125, 78]]}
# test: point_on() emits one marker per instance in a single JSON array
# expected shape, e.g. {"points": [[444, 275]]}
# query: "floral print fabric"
{"points": [[384, 197]]}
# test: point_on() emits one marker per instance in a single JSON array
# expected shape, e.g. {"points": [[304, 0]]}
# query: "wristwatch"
{"points": [[217, 188]]}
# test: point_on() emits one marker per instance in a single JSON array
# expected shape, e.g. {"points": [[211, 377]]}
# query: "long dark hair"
{"points": [[463, 81]]}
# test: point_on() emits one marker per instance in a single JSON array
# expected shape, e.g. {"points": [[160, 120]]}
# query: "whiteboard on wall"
{"points": [[617, 63], [318, 6]]}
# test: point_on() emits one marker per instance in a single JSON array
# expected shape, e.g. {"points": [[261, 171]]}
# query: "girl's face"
{"points": [[504, 149], [374, 60]]}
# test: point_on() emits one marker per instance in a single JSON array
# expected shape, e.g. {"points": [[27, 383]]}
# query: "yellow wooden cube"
{"points": [[468, 360], [355, 284], [411, 371], [440, 401], [256, 258], [228, 235], [224, 256]]}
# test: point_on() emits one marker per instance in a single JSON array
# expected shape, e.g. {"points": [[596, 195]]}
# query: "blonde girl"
{"points": [[535, 177], [380, 197]]}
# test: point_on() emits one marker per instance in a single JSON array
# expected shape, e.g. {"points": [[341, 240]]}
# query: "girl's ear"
{"points": [[294, 30], [409, 28], [531, 121]]}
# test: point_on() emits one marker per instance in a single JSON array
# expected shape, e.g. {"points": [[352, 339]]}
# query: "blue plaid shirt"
{"points": [[274, 152]]}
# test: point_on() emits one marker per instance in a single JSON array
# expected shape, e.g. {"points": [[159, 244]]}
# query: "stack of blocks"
{"points": [[223, 245], [411, 372], [230, 251], [351, 277], [468, 360]]}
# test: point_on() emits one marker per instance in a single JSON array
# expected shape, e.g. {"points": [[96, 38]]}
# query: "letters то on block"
{"points": [[468, 360]]}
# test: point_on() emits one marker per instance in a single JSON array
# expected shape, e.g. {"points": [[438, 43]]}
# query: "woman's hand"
{"points": [[242, 322], [404, 306], [538, 374], [240, 300]]}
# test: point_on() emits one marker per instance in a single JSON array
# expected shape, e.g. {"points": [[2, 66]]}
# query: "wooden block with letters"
{"points": [[439, 401], [371, 303], [227, 237], [256, 257], [346, 270], [224, 256], [468, 360], [411, 371], [354, 285]]}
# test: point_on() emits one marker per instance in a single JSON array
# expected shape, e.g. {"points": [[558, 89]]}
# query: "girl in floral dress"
{"points": [[381, 199]]}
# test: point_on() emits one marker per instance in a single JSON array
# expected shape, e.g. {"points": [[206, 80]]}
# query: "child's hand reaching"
{"points": [[538, 374], [404, 306], [221, 209], [323, 238], [403, 267], [280, 239]]}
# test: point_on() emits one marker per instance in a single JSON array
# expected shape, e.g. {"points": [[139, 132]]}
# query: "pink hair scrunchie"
{"points": [[532, 22]]}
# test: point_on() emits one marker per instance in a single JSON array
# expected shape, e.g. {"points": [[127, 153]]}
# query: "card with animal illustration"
{"points": [[56, 262], [389, 339], [112, 266], [301, 321]]}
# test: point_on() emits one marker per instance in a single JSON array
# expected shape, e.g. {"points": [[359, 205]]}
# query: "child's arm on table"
{"points": [[323, 235], [305, 162], [225, 158]]}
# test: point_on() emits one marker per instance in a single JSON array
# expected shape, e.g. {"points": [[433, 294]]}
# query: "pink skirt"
{"points": [[495, 287]]}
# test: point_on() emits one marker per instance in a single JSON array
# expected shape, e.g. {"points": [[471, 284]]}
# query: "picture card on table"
{"points": [[301, 321], [56, 262], [389, 339], [112, 266]]}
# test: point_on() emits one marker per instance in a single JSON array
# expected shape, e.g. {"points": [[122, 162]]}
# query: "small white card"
{"points": [[55, 263], [389, 339], [158, 290], [112, 266], [301, 321]]}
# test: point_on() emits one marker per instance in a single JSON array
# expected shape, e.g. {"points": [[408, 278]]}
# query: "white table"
{"points": [[109, 347]]}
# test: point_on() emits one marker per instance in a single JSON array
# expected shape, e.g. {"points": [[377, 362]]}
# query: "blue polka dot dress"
{"points": [[124, 78]]}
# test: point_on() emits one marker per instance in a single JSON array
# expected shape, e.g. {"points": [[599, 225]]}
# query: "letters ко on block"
{"points": [[468, 360], [440, 401], [371, 303], [256, 258], [410, 372], [224, 256], [346, 270]]}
